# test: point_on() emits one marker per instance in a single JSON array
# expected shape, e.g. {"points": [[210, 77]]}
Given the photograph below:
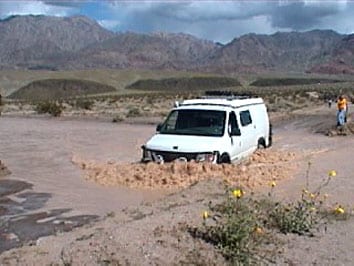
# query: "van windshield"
{"points": [[195, 122]]}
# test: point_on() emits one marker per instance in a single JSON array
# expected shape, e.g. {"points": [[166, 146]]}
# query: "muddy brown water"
{"points": [[46, 192]]}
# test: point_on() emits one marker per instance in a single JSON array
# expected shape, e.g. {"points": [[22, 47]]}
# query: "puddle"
{"points": [[20, 224]]}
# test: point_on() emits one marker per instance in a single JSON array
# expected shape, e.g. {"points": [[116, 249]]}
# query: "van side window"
{"points": [[233, 123], [245, 117]]}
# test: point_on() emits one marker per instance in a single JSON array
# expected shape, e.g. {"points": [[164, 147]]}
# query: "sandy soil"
{"points": [[135, 229]]}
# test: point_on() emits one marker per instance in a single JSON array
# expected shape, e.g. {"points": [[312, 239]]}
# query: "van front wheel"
{"points": [[224, 158]]}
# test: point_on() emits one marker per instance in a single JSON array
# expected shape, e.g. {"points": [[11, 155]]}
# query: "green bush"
{"points": [[299, 217], [118, 118], [238, 228], [84, 104], [133, 112], [52, 108]]}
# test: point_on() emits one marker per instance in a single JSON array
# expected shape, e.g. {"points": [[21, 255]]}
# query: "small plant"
{"points": [[84, 104], [237, 228], [299, 217], [52, 108], [242, 224], [133, 112], [111, 214], [118, 118]]}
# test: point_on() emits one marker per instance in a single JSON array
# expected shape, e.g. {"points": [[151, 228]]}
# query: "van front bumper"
{"points": [[168, 156]]}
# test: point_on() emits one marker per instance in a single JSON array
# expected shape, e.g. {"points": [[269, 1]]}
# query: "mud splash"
{"points": [[261, 168]]}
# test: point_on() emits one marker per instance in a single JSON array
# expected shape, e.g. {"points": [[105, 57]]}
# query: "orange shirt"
{"points": [[342, 104]]}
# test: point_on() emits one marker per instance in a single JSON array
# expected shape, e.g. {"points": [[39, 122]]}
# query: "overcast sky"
{"points": [[219, 21]]}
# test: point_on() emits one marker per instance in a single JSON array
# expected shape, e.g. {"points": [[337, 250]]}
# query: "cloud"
{"points": [[109, 24], [214, 20], [224, 20], [9, 8], [213, 11], [195, 11], [304, 15], [66, 3]]}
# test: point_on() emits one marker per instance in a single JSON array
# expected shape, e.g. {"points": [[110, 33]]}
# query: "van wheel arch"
{"points": [[224, 158]]}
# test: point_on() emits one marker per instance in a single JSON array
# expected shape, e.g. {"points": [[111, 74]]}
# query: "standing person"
{"points": [[329, 103], [342, 108], [346, 111]]}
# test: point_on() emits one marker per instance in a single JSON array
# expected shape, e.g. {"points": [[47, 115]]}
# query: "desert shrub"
{"points": [[133, 112], [299, 217], [244, 228], [118, 118], [52, 108], [301, 101], [84, 104], [271, 100], [236, 229]]}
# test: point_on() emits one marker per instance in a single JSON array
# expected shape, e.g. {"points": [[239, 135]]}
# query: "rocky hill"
{"points": [[340, 59], [31, 41], [292, 51], [41, 42], [153, 51]]}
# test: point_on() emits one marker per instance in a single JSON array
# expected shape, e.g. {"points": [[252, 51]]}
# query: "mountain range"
{"points": [[66, 43]]}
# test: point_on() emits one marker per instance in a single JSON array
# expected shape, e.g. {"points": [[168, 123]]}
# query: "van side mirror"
{"points": [[158, 127]]}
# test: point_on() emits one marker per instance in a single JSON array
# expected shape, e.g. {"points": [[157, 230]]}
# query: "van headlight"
{"points": [[147, 154], [206, 157]]}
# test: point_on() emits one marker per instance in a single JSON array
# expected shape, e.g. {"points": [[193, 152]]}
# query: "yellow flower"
{"points": [[339, 210], [273, 184], [205, 215], [258, 230], [332, 173], [238, 193], [313, 209], [312, 196], [305, 191]]}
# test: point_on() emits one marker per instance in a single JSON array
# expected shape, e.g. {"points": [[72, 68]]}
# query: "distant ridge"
{"points": [[54, 89], [58, 43]]}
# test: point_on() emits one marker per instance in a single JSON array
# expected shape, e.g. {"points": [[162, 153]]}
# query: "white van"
{"points": [[216, 130]]}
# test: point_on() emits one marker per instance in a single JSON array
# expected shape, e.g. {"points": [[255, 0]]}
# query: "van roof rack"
{"points": [[227, 95]]}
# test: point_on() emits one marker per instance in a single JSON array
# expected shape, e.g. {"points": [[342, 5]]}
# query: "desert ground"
{"points": [[76, 194]]}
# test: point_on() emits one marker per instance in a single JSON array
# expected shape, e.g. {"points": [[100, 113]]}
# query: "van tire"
{"points": [[261, 144], [224, 158]]}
